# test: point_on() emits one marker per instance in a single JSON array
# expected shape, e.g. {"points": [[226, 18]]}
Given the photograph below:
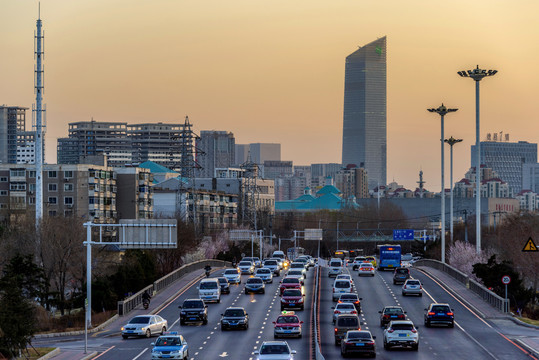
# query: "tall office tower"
{"points": [[13, 134], [530, 177], [241, 154], [274, 169], [157, 142], [507, 159], [87, 138], [364, 117], [219, 149], [261, 152]]}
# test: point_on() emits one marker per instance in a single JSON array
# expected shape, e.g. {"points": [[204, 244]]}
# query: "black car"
{"points": [[358, 342], [193, 310], [225, 287], [390, 313], [352, 298], [255, 285], [401, 275], [439, 314], [234, 318]]}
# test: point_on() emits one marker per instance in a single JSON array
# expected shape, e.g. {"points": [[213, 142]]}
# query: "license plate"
{"points": [[441, 314], [360, 344], [403, 335], [393, 316], [193, 318], [165, 356], [390, 266], [291, 304], [129, 331], [287, 331]]}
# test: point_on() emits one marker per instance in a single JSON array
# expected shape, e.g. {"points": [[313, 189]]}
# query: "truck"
{"points": [[390, 256]]}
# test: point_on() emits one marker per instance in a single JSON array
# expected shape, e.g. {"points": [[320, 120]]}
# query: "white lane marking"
{"points": [[140, 354], [174, 323]]}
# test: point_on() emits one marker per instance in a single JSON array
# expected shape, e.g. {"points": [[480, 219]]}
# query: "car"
{"points": [[225, 286], [305, 260], [344, 277], [366, 269], [233, 276], [390, 313], [255, 285], [343, 308], [270, 350], [265, 274], [358, 261], [171, 345], [234, 318], [297, 265], [351, 298], [335, 267], [209, 290], [372, 260], [400, 275], [193, 310], [412, 287], [401, 333], [292, 299], [278, 254], [246, 267], [439, 314], [289, 283], [358, 342], [341, 287], [144, 325], [273, 265], [287, 324], [343, 324], [296, 273], [257, 261]]}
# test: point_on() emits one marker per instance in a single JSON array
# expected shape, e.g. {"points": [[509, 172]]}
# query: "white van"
{"points": [[209, 290], [341, 286], [335, 267]]}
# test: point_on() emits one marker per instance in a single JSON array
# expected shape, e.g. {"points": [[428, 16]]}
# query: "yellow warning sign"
{"points": [[530, 246]]}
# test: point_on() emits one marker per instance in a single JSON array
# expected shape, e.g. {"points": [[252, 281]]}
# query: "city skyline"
{"points": [[123, 61]]}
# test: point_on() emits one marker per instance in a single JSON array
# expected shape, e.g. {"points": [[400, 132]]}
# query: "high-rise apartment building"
{"points": [[17, 146], [157, 142], [258, 152], [353, 182], [365, 116], [507, 159], [218, 148], [319, 173], [530, 177]]}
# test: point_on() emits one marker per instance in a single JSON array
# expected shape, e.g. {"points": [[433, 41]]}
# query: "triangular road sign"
{"points": [[530, 246]]}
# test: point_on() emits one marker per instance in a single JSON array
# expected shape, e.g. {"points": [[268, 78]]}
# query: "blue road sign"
{"points": [[403, 234]]}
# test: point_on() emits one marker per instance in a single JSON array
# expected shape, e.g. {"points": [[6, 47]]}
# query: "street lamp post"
{"points": [[442, 111], [451, 141], [477, 75]]}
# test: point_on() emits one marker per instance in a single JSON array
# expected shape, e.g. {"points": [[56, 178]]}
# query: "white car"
{"points": [[265, 274], [401, 333], [343, 309], [170, 346], [144, 325], [233, 276], [412, 287], [341, 287], [358, 261], [344, 276], [274, 350], [246, 267], [335, 267], [296, 265], [366, 269], [298, 274]]}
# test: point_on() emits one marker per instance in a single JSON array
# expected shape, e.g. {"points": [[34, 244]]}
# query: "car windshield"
{"points": [[231, 272], [335, 263], [222, 280], [345, 307], [254, 281], [296, 265], [292, 292], [342, 284], [440, 308], [192, 305], [360, 259], [245, 263], [393, 311], [274, 349], [290, 281], [270, 262], [402, 327], [295, 272], [168, 341], [140, 320], [248, 259], [366, 265], [412, 282], [263, 271], [287, 320], [208, 285], [402, 271], [348, 297], [234, 312], [371, 258], [348, 321], [359, 335]]}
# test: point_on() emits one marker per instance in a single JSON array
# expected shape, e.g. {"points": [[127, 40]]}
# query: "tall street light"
{"points": [[451, 141], [442, 111], [477, 75]]}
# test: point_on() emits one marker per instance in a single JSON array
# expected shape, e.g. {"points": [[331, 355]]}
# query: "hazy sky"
{"points": [[273, 71]]}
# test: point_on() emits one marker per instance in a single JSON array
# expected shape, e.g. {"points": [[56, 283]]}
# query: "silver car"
{"points": [[144, 325], [233, 276], [270, 350], [246, 267], [343, 308], [401, 333], [412, 287], [265, 274]]}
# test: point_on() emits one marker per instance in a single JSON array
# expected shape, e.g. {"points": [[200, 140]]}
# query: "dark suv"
{"points": [[193, 310], [401, 275], [439, 314], [225, 286], [234, 318], [391, 313]]}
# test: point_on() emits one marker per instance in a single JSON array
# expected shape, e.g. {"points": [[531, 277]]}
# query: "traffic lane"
{"points": [[478, 329]]}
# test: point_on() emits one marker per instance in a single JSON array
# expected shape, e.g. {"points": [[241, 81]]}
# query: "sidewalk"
{"points": [[159, 301], [483, 309]]}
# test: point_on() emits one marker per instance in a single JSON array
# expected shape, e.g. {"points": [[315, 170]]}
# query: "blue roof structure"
{"points": [[327, 199], [155, 167], [328, 189]]}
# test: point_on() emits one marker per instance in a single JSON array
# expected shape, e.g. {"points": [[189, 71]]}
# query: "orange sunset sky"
{"points": [[273, 71]]}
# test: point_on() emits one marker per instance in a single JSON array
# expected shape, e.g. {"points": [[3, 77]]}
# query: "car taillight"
{"points": [[356, 302], [401, 316], [336, 329], [450, 313], [421, 287], [386, 316], [370, 343], [353, 312], [336, 312], [339, 302], [333, 289], [414, 331], [349, 343], [430, 313], [390, 330], [404, 287]]}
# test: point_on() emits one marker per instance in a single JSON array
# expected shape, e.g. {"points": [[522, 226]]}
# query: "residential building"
{"points": [[352, 181], [507, 159], [134, 198], [365, 115], [219, 152], [319, 173], [528, 200], [276, 168], [17, 146], [290, 187], [491, 184], [156, 142]]}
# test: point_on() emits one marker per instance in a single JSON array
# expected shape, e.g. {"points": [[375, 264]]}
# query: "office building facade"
{"points": [[365, 115], [530, 177], [258, 153], [218, 149]]}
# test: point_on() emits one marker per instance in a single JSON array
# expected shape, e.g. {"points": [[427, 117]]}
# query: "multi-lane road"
{"points": [[472, 337]]}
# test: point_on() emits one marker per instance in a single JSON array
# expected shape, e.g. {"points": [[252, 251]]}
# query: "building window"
{"points": [[32, 187], [52, 174], [32, 200], [68, 200], [52, 212], [53, 200], [68, 213], [17, 186], [17, 173], [3, 178], [3, 206], [68, 174], [32, 174], [90, 200], [68, 187], [53, 187], [3, 192]]}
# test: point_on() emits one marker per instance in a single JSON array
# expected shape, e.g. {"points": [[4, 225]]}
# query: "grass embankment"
{"points": [[529, 321], [36, 353]]}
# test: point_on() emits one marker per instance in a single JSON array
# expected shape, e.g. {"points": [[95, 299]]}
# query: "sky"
{"points": [[273, 71]]}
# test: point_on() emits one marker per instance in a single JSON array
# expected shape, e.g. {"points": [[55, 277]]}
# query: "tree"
{"points": [[463, 256]]}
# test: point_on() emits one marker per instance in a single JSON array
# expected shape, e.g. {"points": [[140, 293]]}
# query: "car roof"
{"points": [[193, 299], [401, 322], [442, 304], [235, 308], [393, 307]]}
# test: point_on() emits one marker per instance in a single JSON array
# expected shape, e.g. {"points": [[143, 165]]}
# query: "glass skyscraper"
{"points": [[365, 118]]}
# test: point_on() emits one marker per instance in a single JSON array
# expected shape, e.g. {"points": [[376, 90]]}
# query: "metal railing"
{"points": [[489, 296], [316, 302], [132, 302]]}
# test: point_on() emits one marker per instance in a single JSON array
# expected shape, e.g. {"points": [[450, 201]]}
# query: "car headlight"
{"points": [[183, 312], [174, 352], [142, 329]]}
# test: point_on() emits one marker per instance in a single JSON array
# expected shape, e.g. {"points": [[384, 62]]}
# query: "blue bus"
{"points": [[390, 256]]}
